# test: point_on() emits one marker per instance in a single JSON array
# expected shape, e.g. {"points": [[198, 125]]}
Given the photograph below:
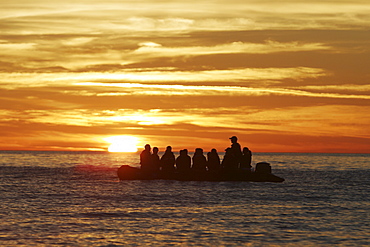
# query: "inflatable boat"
{"points": [[262, 173]]}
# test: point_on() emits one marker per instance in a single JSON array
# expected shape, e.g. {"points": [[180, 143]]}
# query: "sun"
{"points": [[125, 144]]}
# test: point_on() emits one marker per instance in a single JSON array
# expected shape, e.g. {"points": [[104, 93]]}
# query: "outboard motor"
{"points": [[263, 168]]}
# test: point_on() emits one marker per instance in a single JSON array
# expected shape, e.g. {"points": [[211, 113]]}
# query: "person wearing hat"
{"points": [[236, 149]]}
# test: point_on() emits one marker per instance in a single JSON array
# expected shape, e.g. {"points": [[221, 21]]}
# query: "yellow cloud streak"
{"points": [[270, 75], [235, 47], [25, 52], [219, 15], [235, 75], [345, 87], [292, 119], [153, 89]]}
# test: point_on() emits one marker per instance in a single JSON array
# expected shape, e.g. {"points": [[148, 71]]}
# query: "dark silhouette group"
{"points": [[235, 159]]}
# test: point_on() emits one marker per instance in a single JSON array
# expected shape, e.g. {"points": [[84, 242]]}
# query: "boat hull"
{"points": [[132, 173]]}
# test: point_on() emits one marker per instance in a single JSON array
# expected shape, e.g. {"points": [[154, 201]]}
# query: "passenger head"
{"points": [[233, 139], [168, 149], [147, 147], [199, 151], [245, 150], [155, 150], [213, 150], [185, 151]]}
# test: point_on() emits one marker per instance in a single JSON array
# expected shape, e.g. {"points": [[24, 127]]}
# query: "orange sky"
{"points": [[283, 76]]}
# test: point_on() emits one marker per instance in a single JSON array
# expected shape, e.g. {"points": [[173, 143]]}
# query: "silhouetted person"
{"points": [[213, 161], [199, 161], [236, 149], [246, 160], [183, 162], [145, 158], [154, 160], [168, 160], [229, 162]]}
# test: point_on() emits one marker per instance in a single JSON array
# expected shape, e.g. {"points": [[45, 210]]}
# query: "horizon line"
{"points": [[138, 152]]}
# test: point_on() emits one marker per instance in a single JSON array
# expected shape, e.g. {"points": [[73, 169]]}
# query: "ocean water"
{"points": [[76, 199]]}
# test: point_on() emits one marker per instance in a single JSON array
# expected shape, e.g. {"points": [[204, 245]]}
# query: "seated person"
{"points": [[246, 159], [155, 161], [213, 161], [145, 158], [199, 161], [168, 160], [229, 162], [183, 162]]}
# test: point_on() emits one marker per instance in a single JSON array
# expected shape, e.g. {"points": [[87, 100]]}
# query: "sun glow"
{"points": [[125, 144]]}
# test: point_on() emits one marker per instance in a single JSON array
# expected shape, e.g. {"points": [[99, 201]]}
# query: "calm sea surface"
{"points": [[75, 199]]}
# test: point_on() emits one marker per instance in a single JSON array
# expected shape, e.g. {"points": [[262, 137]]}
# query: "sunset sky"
{"points": [[283, 76]]}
